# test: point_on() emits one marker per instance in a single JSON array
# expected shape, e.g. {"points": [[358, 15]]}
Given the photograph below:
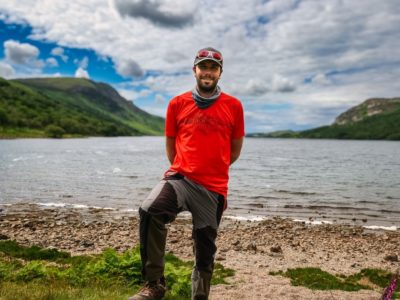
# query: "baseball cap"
{"points": [[208, 53]]}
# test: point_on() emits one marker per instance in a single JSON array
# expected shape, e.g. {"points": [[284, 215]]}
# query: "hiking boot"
{"points": [[154, 290]]}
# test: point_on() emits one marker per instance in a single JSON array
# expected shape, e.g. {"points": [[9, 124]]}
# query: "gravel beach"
{"points": [[252, 249]]}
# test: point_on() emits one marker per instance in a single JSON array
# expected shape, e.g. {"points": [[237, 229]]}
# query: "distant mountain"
{"points": [[370, 107], [376, 119], [70, 107]]}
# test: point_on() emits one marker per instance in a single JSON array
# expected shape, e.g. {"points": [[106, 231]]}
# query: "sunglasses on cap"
{"points": [[209, 54]]}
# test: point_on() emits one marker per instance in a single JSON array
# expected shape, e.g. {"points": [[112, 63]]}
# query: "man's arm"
{"points": [[236, 147], [171, 150]]}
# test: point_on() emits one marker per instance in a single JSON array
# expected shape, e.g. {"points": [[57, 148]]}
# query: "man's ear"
{"points": [[194, 69]]}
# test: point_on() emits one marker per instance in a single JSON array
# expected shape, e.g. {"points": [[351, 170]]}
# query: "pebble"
{"points": [[87, 243], [220, 258], [276, 249], [3, 237], [392, 257]]}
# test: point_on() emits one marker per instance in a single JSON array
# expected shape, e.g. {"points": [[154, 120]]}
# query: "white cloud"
{"points": [[129, 68], [82, 73], [6, 70], [128, 94], [321, 79], [256, 86], [58, 51], [170, 83], [155, 110], [52, 62], [282, 84], [84, 63], [22, 53], [131, 94]]}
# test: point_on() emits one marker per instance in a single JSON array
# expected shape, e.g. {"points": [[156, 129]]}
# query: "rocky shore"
{"points": [[253, 249]]}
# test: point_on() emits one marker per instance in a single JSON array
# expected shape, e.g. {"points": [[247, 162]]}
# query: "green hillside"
{"points": [[385, 126], [374, 119], [69, 107]]}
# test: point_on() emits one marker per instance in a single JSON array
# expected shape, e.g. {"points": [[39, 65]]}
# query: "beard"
{"points": [[206, 88]]}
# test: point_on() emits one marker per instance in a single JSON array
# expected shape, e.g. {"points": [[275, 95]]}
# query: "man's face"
{"points": [[207, 74]]}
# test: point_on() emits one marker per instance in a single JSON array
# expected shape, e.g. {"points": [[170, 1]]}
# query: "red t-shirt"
{"points": [[203, 138]]}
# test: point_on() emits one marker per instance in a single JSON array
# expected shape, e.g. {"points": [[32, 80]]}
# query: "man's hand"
{"points": [[171, 150], [236, 147]]}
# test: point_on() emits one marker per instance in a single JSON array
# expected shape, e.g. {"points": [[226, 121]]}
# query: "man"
{"points": [[204, 135]]}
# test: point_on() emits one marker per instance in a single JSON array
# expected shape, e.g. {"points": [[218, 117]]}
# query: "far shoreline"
{"points": [[111, 213], [250, 136]]}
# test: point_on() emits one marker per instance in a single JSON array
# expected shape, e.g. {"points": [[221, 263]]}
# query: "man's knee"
{"points": [[162, 203]]}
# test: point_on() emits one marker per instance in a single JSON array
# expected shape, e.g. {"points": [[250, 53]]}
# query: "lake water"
{"points": [[325, 180]]}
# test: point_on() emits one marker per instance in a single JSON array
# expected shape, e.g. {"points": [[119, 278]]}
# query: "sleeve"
{"points": [[170, 120], [238, 128]]}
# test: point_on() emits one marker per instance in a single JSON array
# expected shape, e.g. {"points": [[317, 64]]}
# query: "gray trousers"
{"points": [[170, 196]]}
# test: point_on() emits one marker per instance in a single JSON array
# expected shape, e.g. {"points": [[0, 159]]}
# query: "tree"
{"points": [[70, 125], [54, 131], [3, 117]]}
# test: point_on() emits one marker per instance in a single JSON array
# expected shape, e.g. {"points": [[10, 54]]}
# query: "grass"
{"points": [[316, 279], [10, 133], [56, 291], [35, 273], [64, 83]]}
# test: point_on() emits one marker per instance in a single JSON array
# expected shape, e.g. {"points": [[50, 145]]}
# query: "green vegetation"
{"points": [[276, 134], [384, 126], [69, 107], [37, 273], [316, 279]]}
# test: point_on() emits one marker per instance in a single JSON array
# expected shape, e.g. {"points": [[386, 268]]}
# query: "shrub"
{"points": [[30, 271], [54, 131]]}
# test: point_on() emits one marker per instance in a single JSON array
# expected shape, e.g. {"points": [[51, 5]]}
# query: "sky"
{"points": [[293, 64]]}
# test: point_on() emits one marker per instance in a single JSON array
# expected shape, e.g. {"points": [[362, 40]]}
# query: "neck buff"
{"points": [[203, 102]]}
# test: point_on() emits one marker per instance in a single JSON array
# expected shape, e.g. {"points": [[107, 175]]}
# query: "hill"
{"points": [[368, 108], [375, 119], [56, 107]]}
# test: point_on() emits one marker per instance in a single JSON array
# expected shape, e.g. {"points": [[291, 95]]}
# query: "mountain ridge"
{"points": [[368, 108], [76, 106]]}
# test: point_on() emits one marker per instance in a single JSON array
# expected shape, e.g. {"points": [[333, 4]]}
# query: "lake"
{"points": [[356, 182]]}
